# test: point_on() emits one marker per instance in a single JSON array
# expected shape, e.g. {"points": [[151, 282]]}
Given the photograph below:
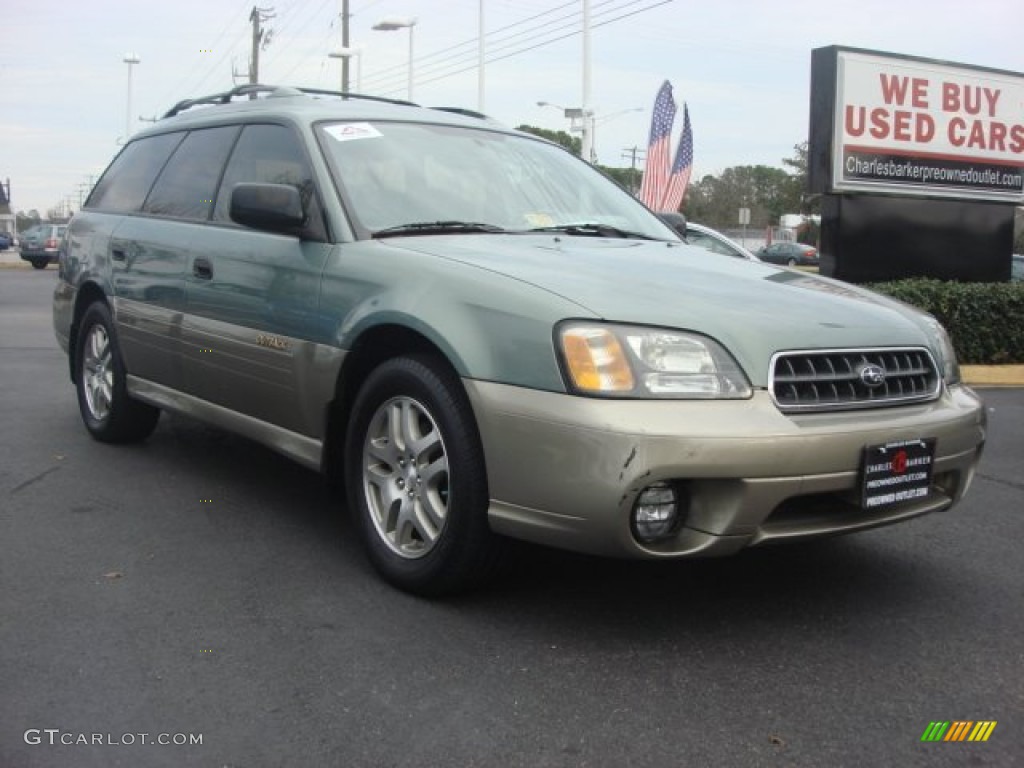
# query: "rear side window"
{"points": [[271, 154], [127, 181], [188, 182]]}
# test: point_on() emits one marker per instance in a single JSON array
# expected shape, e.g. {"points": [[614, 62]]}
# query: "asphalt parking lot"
{"points": [[199, 585]]}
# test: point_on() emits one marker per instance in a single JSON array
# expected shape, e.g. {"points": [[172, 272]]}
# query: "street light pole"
{"points": [[389, 25], [587, 137], [344, 45], [572, 114], [130, 59], [480, 61]]}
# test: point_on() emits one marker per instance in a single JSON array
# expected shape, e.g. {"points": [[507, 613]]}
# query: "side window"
{"points": [[128, 179], [187, 184], [270, 154]]}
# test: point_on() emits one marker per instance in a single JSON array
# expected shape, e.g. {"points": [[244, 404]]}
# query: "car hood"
{"points": [[753, 308]]}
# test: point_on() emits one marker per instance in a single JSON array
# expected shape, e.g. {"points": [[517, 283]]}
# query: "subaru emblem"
{"points": [[872, 375]]}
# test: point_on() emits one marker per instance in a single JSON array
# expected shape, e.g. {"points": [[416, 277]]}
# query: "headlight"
{"points": [[950, 367], [630, 361]]}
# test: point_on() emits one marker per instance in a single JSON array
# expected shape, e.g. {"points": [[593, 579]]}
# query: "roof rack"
{"points": [[362, 96], [273, 91], [464, 111]]}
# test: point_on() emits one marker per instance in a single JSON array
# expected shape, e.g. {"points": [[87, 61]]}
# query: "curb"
{"points": [[993, 375]]}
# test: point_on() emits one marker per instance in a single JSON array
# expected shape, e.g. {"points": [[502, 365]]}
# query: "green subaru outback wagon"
{"points": [[485, 338]]}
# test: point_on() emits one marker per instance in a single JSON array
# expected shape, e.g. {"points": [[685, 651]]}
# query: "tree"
{"points": [[572, 143], [798, 163], [768, 193], [624, 176], [809, 203], [25, 220]]}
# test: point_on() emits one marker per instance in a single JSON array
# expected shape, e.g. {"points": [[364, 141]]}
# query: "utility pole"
{"points": [[344, 46], [257, 34], [84, 188], [258, 16], [631, 153]]}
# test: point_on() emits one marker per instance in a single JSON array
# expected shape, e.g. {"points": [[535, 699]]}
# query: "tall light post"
{"points": [[345, 54], [390, 25], [480, 60], [574, 114], [584, 122], [587, 135], [129, 59]]}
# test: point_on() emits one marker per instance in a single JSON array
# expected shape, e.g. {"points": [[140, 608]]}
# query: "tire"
{"points": [[791, 262], [110, 415], [416, 481], [40, 263]]}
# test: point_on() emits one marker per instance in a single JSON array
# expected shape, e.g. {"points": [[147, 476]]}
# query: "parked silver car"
{"points": [[486, 338], [40, 245]]}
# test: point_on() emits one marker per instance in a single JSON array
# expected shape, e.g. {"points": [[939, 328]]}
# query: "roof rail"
{"points": [[350, 95], [220, 98], [464, 111], [272, 91]]}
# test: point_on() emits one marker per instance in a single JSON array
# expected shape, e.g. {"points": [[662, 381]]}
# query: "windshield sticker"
{"points": [[350, 131], [538, 219]]}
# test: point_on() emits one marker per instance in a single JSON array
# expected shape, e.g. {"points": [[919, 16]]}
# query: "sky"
{"points": [[742, 66]]}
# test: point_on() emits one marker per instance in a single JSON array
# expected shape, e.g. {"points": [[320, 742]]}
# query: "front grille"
{"points": [[838, 379]]}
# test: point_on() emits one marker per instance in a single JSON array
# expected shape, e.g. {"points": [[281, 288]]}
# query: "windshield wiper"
{"points": [[592, 230], [436, 227]]}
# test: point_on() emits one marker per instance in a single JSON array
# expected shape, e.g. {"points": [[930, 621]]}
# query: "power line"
{"points": [[314, 16], [497, 44], [473, 40], [468, 61], [540, 44], [185, 78], [322, 46]]}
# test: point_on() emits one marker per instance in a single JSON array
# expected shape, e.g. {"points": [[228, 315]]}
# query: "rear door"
{"points": [[146, 282], [149, 253]]}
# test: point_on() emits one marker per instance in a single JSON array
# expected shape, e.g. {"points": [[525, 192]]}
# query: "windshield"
{"points": [[399, 174]]}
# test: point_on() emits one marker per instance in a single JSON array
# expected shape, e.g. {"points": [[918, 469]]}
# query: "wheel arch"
{"points": [[375, 345], [85, 296]]}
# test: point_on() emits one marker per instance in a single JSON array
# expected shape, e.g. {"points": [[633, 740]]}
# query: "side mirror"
{"points": [[269, 207], [675, 220]]}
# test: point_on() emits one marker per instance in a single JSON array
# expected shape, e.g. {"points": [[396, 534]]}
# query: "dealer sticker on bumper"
{"points": [[897, 472]]}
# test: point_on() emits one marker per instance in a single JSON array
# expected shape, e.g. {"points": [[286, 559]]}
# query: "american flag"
{"points": [[681, 168], [652, 188]]}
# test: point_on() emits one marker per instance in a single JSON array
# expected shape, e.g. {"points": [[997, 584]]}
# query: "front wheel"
{"points": [[109, 413], [791, 262], [416, 480]]}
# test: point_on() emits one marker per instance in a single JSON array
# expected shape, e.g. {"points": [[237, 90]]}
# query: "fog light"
{"points": [[656, 512]]}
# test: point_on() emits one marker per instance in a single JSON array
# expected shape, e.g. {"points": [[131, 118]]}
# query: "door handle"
{"points": [[202, 268]]}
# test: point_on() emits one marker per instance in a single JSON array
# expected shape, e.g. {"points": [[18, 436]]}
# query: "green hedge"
{"points": [[986, 320]]}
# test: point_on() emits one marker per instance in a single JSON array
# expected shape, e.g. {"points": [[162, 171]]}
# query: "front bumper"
{"points": [[565, 471]]}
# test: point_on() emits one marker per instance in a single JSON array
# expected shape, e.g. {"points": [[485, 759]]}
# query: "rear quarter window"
{"points": [[125, 184]]}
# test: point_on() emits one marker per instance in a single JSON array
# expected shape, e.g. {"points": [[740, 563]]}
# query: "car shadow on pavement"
{"points": [[842, 579], [864, 573]]}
